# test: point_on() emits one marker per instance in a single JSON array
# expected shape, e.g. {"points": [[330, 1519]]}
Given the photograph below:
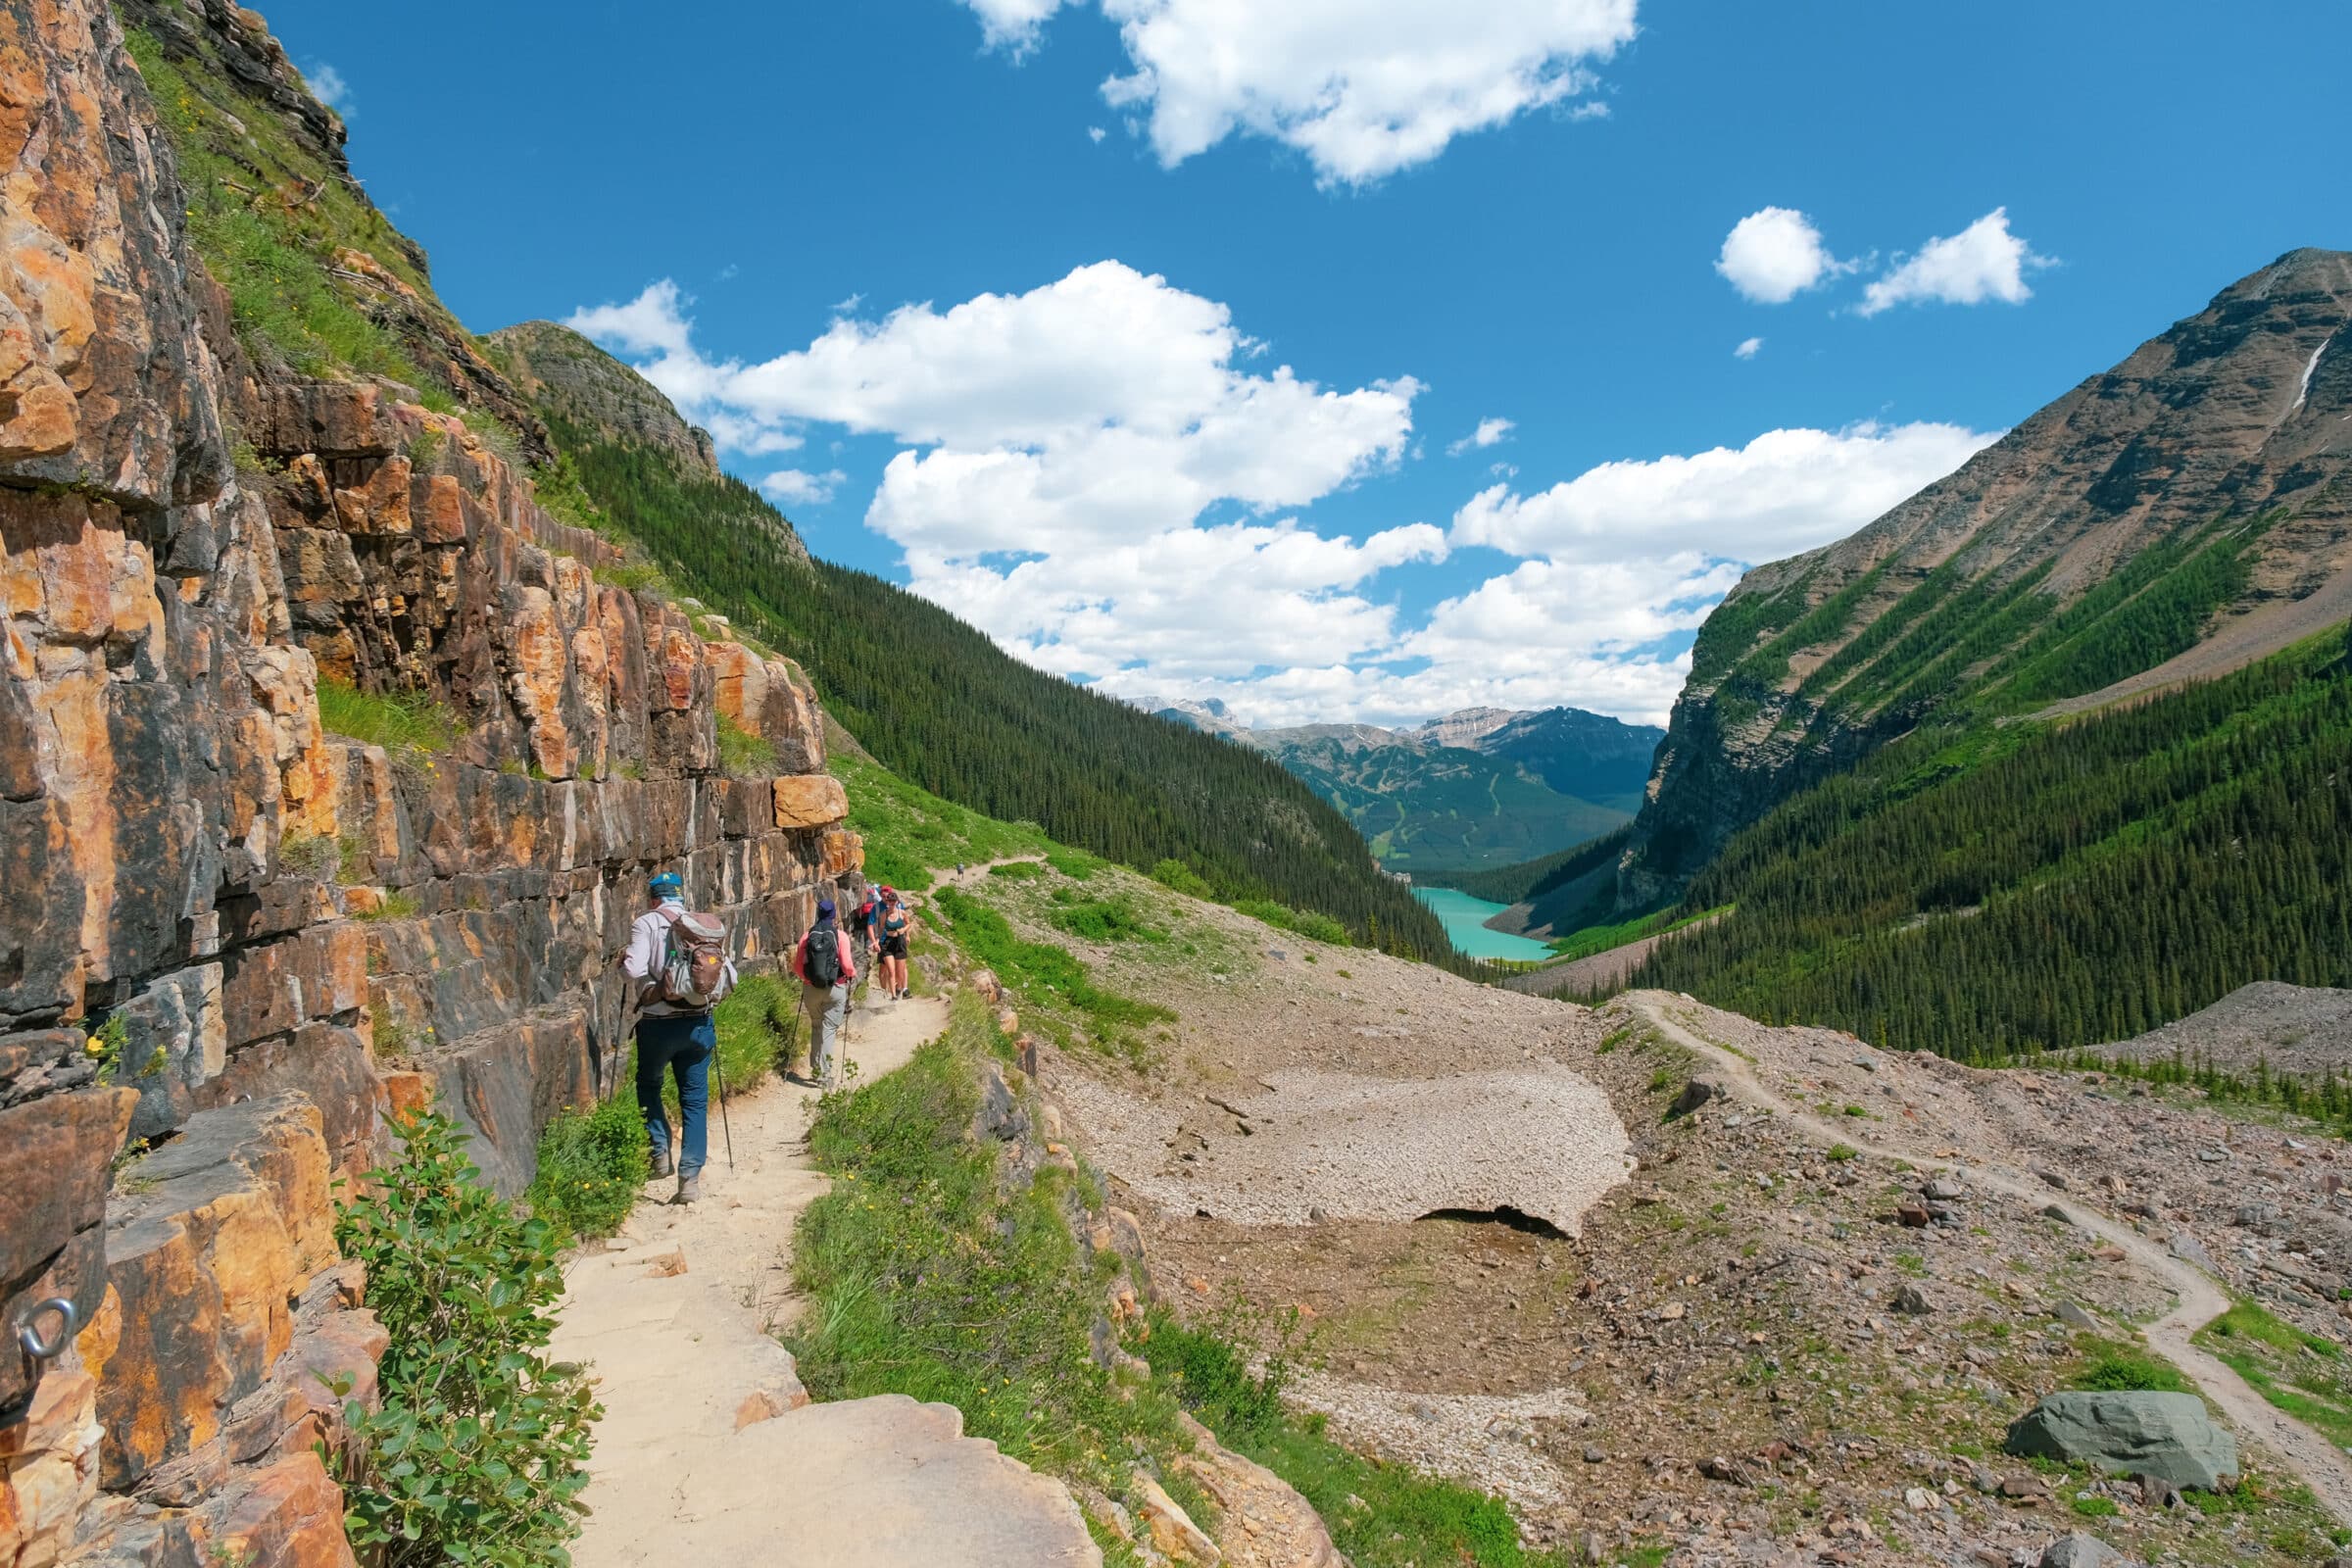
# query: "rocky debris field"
{"points": [[1767, 1346], [2298, 1029]]}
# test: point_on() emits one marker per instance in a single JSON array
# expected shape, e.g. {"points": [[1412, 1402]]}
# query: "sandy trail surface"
{"points": [[709, 1452], [2317, 1461]]}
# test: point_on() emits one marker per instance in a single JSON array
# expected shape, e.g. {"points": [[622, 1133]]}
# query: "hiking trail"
{"points": [[702, 1455], [2319, 1462]]}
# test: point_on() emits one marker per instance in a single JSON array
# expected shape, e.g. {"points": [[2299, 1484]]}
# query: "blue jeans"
{"points": [[683, 1045]]}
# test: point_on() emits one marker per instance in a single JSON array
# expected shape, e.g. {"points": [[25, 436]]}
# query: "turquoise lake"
{"points": [[1465, 919]]}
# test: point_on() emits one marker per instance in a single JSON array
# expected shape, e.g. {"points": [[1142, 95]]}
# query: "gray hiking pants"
{"points": [[828, 1008]]}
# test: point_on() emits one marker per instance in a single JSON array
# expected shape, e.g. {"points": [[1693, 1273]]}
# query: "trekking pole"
{"points": [[725, 1131]]}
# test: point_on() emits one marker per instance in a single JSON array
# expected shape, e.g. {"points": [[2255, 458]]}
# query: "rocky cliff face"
{"points": [[2168, 514], [238, 941]]}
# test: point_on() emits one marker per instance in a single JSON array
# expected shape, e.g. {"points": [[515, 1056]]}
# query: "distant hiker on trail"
{"points": [[897, 926], [678, 962], [825, 967]]}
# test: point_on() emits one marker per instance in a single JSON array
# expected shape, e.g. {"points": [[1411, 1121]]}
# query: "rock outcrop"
{"points": [[2223, 431], [240, 939], [2168, 1435]]}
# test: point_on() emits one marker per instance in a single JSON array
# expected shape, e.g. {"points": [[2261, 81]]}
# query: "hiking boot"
{"points": [[690, 1188], [661, 1165]]}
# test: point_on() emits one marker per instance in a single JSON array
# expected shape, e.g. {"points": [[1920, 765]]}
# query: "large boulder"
{"points": [[2168, 1435]]}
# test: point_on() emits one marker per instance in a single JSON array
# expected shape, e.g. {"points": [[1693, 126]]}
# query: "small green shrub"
{"points": [[1306, 923], [479, 1452], [1844, 1151], [1183, 878], [1018, 871], [1106, 920], [397, 722], [742, 753], [591, 1166], [1857, 1111], [2119, 1370], [392, 907], [307, 854], [2095, 1507]]}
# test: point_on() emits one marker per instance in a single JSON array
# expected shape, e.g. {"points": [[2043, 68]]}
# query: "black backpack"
{"points": [[821, 962]]}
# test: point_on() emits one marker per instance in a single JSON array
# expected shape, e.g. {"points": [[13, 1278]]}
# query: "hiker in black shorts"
{"points": [[896, 924], [866, 922]]}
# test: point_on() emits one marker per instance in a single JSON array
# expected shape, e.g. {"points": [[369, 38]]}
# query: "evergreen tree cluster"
{"points": [[1983, 890], [938, 703]]}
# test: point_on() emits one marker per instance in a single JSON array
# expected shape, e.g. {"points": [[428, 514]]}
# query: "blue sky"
{"points": [[1158, 336]]}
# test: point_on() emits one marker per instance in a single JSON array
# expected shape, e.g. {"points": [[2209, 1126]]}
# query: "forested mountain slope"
{"points": [[2193, 496], [931, 696], [1979, 888]]}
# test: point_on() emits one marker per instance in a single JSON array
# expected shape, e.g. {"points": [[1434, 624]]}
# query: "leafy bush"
{"points": [[742, 753], [480, 1452], [1106, 920], [1018, 871], [591, 1166], [2117, 1370], [1314, 927], [397, 722], [1183, 878]]}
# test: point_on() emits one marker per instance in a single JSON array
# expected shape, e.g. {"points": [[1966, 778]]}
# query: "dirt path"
{"points": [[709, 1452], [2200, 1300]]}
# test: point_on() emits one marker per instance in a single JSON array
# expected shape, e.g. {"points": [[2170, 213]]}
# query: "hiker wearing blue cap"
{"points": [[678, 962], [822, 960]]}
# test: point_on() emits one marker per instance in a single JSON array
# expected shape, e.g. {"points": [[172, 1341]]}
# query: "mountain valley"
{"points": [[1930, 1144]]}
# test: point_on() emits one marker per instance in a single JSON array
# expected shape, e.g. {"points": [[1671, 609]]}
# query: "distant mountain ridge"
{"points": [[1477, 787]]}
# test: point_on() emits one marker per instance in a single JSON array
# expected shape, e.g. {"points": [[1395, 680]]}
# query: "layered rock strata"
{"points": [[238, 941]]}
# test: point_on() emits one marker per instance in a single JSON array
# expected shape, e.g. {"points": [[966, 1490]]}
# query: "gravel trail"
{"points": [[2319, 1462]]}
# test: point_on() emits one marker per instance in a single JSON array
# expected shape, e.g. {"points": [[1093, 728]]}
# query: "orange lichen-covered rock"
{"points": [[809, 800]]}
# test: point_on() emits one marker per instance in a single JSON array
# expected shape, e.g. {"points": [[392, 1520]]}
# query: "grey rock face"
{"points": [[2168, 1435]]}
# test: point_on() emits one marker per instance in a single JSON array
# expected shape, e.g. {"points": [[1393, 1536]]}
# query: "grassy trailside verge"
{"points": [[929, 1277]]}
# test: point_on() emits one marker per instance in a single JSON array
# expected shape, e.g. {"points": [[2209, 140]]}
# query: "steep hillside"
{"points": [[1478, 788], [1984, 890], [2193, 496], [932, 698]]}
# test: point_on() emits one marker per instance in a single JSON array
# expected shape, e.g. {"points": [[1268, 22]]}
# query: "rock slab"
{"points": [[2168, 1435]]}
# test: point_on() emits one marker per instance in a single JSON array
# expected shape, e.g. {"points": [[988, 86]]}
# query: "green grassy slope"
{"points": [[1978, 889]]}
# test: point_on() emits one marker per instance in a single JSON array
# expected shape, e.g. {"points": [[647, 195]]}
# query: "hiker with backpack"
{"points": [[865, 927], [823, 963], [678, 962]]}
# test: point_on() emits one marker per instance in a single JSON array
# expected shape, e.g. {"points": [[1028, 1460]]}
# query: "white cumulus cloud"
{"points": [[1063, 448], [1775, 254], [1983, 262], [1784, 491], [1361, 87], [1489, 432], [791, 487], [1748, 349], [327, 85], [1013, 25]]}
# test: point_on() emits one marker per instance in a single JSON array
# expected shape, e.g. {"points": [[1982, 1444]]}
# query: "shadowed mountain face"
{"points": [[2172, 519], [1481, 787]]}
